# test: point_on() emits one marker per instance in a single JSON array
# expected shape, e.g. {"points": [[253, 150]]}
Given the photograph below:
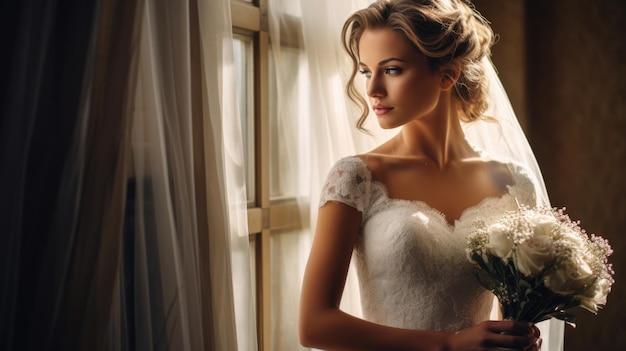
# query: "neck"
{"points": [[438, 138]]}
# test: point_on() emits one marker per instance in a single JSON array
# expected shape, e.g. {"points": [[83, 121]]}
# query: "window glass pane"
{"points": [[244, 75], [288, 130], [289, 252]]}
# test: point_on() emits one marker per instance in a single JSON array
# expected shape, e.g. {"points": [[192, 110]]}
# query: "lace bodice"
{"points": [[411, 263]]}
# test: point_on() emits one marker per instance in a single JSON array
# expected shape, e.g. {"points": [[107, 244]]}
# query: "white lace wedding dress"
{"points": [[411, 263]]}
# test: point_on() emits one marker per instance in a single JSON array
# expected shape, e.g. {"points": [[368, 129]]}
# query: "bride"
{"points": [[406, 207]]}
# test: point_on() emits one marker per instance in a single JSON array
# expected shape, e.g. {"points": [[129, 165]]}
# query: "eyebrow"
{"points": [[387, 60]]}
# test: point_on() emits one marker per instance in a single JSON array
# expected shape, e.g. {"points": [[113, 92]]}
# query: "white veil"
{"points": [[505, 139]]}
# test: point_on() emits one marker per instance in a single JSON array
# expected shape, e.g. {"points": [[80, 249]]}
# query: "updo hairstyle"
{"points": [[443, 30]]}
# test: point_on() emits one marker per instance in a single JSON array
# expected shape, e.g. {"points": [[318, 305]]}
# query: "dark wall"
{"points": [[509, 52], [577, 103], [563, 63]]}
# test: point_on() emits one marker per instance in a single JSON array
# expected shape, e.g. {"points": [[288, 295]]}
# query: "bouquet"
{"points": [[539, 263]]}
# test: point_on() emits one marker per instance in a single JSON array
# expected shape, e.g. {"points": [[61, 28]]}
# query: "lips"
{"points": [[380, 109]]}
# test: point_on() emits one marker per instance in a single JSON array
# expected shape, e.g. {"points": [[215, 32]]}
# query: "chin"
{"points": [[386, 125]]}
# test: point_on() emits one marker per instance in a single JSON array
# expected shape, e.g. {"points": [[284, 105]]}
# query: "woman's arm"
{"points": [[323, 325]]}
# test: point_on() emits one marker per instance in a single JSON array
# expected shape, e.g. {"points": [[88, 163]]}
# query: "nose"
{"points": [[375, 86]]}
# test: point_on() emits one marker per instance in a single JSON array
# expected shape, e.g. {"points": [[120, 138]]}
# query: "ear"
{"points": [[450, 73]]}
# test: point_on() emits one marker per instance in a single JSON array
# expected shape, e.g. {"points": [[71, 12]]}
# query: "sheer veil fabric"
{"points": [[504, 137]]}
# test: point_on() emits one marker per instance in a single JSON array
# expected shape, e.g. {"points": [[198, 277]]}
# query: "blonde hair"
{"points": [[445, 31]]}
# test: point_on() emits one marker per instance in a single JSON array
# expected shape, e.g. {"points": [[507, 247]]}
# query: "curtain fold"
{"points": [[192, 286], [125, 212], [165, 288], [92, 271], [44, 103], [232, 294]]}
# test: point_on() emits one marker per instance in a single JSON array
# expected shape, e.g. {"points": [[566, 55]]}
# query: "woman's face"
{"points": [[400, 84]]}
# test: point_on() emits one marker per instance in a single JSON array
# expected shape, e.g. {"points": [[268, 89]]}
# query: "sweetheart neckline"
{"points": [[423, 205], [427, 206]]}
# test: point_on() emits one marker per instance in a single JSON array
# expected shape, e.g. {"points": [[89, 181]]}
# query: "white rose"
{"points": [[537, 252], [500, 242], [595, 295], [543, 224], [534, 255], [570, 277]]}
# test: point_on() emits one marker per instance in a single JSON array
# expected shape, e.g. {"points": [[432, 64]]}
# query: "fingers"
{"points": [[536, 335], [511, 333], [513, 327], [521, 342], [508, 334], [536, 332], [535, 347]]}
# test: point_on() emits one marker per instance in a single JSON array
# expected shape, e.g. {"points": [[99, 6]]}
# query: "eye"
{"points": [[393, 70], [366, 73]]}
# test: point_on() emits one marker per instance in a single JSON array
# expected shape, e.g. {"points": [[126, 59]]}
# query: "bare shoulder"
{"points": [[373, 160], [499, 172], [381, 165]]}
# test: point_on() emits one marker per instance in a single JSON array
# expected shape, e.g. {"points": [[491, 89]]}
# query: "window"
{"points": [[274, 220]]}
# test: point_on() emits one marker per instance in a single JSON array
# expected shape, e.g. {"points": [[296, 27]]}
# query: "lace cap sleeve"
{"points": [[526, 188], [348, 182]]}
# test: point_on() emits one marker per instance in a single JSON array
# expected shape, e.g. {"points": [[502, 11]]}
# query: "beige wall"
{"points": [[564, 65]]}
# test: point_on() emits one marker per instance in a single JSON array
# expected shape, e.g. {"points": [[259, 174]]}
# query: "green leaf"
{"points": [[486, 281]]}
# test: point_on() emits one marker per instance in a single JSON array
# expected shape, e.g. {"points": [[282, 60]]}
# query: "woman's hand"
{"points": [[496, 335]]}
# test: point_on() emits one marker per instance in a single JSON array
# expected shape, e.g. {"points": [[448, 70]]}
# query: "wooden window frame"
{"points": [[264, 215]]}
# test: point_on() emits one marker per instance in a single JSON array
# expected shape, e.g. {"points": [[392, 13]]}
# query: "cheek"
{"points": [[423, 95], [421, 82]]}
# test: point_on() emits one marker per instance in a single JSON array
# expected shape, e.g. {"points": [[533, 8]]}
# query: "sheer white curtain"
{"points": [[115, 102], [313, 125], [190, 265], [232, 269], [166, 268]]}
